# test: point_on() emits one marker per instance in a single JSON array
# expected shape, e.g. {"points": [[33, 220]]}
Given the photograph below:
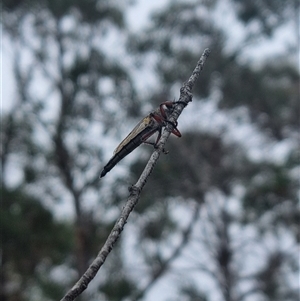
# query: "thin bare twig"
{"points": [[135, 190]]}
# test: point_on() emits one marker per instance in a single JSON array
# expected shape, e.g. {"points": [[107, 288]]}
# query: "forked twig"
{"points": [[135, 190]]}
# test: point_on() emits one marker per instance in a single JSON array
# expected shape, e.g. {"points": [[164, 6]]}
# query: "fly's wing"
{"points": [[142, 131], [132, 141], [142, 125]]}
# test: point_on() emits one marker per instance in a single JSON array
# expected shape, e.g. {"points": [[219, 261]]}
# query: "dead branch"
{"points": [[135, 190]]}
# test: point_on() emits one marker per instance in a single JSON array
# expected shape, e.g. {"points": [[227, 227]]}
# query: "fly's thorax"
{"points": [[167, 112], [148, 120]]}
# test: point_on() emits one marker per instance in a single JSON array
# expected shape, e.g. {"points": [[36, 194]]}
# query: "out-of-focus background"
{"points": [[219, 217]]}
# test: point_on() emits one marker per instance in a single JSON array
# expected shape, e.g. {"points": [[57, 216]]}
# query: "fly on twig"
{"points": [[152, 123]]}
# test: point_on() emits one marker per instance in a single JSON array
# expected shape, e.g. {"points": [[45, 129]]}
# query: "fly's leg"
{"points": [[169, 104], [154, 144]]}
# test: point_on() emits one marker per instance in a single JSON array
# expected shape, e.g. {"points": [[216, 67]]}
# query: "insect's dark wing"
{"points": [[127, 149], [141, 126], [143, 129]]}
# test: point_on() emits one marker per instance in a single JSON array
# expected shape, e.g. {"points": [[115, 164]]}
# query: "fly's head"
{"points": [[166, 109]]}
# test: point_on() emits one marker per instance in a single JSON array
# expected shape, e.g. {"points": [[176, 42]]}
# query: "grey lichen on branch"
{"points": [[135, 190]]}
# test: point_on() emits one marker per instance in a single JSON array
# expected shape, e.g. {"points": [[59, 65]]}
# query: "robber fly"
{"points": [[152, 123]]}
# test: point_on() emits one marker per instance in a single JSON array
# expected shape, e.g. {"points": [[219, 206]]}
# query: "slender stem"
{"points": [[135, 190]]}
